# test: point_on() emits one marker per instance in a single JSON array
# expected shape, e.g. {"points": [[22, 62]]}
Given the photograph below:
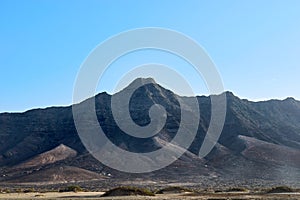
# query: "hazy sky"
{"points": [[254, 44]]}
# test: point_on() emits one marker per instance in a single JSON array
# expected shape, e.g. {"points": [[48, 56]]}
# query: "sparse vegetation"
{"points": [[173, 189], [128, 191], [280, 189], [71, 188], [18, 190], [3, 191], [29, 190], [237, 189]]}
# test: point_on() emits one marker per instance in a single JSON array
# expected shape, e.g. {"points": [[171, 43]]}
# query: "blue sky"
{"points": [[254, 44]]}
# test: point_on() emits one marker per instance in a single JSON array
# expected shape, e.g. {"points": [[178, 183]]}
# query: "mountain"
{"points": [[260, 141], [57, 154]]}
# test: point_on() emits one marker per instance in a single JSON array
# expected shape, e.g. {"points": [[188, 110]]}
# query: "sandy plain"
{"points": [[182, 196]]}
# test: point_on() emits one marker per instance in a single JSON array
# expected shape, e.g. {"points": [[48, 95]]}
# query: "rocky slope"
{"points": [[259, 141]]}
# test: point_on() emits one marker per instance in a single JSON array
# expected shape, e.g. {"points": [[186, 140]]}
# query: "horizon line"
{"points": [[110, 94]]}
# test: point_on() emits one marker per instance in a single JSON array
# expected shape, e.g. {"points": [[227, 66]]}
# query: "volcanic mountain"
{"points": [[260, 141]]}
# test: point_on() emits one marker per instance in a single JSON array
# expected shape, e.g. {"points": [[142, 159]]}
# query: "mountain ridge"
{"points": [[26, 135], [290, 98]]}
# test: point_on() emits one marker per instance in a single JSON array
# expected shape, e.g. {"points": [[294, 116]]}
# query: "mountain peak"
{"points": [[143, 81], [290, 99], [231, 96], [229, 93], [140, 82]]}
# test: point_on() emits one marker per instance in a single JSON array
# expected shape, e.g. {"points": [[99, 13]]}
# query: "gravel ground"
{"points": [[185, 196]]}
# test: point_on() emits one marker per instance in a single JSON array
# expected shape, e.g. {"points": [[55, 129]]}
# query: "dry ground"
{"points": [[186, 196]]}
